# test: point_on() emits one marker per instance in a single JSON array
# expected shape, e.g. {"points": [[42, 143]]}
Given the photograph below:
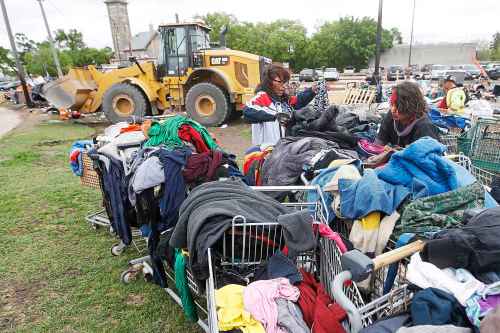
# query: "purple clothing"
{"points": [[259, 298], [489, 303]]}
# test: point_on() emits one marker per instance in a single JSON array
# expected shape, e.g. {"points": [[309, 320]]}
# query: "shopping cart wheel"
{"points": [[128, 276], [118, 249]]}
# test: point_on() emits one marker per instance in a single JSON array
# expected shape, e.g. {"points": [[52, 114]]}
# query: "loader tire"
{"points": [[207, 104], [122, 101]]}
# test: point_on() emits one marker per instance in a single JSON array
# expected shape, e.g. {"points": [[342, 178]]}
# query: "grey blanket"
{"points": [[208, 211], [285, 164]]}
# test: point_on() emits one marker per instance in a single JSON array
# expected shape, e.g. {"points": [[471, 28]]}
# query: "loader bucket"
{"points": [[70, 91]]}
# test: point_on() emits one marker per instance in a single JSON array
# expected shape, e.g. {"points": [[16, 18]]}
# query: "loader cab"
{"points": [[181, 47]]}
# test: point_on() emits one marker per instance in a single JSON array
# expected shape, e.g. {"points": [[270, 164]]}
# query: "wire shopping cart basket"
{"points": [[243, 245], [380, 300]]}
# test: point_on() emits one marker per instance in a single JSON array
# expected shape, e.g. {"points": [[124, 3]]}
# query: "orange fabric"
{"points": [[253, 157], [131, 128]]}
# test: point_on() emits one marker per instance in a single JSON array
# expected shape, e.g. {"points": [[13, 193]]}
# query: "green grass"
{"points": [[56, 273]]}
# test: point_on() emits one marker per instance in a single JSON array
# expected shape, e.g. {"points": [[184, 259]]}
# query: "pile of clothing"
{"points": [[147, 170], [420, 194], [297, 304], [290, 155], [338, 124], [446, 122], [456, 280]]}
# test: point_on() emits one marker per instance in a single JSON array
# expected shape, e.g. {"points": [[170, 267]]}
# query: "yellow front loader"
{"points": [[208, 83]]}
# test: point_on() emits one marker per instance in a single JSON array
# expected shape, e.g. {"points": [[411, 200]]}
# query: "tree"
{"points": [[71, 49], [72, 39], [7, 62], [24, 44], [348, 41], [281, 40], [495, 44], [216, 21], [397, 37]]}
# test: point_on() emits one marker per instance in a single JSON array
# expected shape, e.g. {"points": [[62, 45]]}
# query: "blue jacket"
{"points": [[422, 168], [369, 194]]}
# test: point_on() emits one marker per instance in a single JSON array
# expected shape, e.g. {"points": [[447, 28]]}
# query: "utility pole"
{"points": [[52, 46], [376, 74], [379, 39], [20, 69], [411, 37]]}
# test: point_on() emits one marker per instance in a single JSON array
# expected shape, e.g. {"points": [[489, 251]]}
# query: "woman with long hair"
{"points": [[407, 120]]}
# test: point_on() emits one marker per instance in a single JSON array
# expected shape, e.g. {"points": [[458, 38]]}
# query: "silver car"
{"points": [[438, 72], [331, 74]]}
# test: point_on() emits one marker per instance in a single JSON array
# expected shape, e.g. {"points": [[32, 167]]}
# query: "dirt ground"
{"points": [[235, 138]]}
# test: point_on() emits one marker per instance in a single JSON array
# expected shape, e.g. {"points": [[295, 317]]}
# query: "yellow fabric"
{"points": [[455, 99], [340, 162], [231, 314], [371, 221]]}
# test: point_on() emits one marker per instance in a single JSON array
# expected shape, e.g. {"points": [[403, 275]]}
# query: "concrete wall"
{"points": [[443, 54], [120, 27]]}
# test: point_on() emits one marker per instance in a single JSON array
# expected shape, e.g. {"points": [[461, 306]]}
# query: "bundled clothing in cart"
{"points": [[75, 155], [173, 131], [335, 124], [253, 162], [208, 212], [286, 163]]}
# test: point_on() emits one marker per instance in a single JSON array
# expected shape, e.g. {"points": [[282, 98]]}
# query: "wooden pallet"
{"points": [[359, 96]]}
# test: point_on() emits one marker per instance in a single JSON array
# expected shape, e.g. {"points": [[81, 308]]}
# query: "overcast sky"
{"points": [[435, 20]]}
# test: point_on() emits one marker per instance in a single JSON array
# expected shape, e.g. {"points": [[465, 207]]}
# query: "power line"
{"points": [[57, 9]]}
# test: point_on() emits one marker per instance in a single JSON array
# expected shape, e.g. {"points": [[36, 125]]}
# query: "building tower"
{"points": [[120, 28]]}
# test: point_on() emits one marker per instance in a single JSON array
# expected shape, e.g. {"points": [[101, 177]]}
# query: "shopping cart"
{"points": [[450, 140], [353, 267], [243, 245], [482, 144], [92, 176]]}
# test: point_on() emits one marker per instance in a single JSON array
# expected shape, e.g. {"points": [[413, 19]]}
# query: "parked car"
{"points": [[7, 85], [494, 73], [320, 73], [395, 72], [471, 71], [308, 75], [349, 70], [331, 74], [438, 72], [491, 70]]}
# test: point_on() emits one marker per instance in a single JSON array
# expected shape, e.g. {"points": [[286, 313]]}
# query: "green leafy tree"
{"points": [[349, 41], [216, 21], [7, 62], [72, 39], [495, 44], [41, 61], [397, 37], [71, 49]]}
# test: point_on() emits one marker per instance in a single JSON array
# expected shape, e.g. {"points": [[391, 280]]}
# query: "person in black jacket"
{"points": [[408, 120]]}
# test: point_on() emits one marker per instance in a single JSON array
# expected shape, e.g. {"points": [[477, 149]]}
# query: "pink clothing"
{"points": [[259, 298], [371, 148], [327, 232]]}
